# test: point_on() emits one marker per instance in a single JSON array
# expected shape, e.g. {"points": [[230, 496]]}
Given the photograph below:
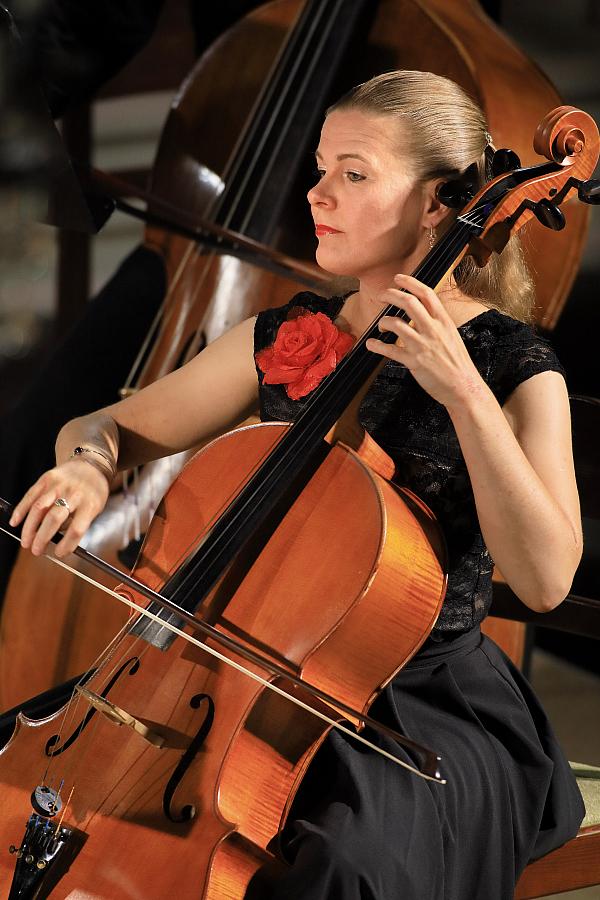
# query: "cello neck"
{"points": [[290, 465]]}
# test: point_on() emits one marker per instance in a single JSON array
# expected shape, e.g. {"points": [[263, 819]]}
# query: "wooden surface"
{"points": [[576, 865]]}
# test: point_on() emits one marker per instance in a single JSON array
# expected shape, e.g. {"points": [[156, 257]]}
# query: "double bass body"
{"points": [[343, 614]]}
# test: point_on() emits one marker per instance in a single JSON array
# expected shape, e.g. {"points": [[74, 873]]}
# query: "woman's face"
{"points": [[367, 205]]}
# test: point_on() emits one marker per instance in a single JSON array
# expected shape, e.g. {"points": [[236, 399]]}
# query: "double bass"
{"points": [[248, 567]]}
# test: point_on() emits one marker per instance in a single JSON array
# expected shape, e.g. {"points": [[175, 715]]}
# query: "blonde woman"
{"points": [[472, 407]]}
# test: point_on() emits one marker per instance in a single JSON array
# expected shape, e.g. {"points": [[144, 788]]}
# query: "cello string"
{"points": [[222, 658], [69, 767], [307, 41], [248, 497], [346, 367], [219, 542], [74, 703], [450, 249], [237, 666], [70, 709], [303, 432]]}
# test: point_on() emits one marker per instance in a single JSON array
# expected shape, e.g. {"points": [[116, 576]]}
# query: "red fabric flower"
{"points": [[307, 348]]}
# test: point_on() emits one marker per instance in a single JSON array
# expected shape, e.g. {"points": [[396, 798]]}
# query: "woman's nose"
{"points": [[320, 194]]}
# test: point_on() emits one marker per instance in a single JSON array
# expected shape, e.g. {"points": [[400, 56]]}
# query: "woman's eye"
{"points": [[319, 174], [355, 176]]}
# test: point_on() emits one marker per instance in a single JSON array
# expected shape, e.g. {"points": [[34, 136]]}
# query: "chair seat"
{"points": [[577, 863]]}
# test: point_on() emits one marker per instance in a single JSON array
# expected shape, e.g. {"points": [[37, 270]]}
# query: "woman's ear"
{"points": [[434, 210]]}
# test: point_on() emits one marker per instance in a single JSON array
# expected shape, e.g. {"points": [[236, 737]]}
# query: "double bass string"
{"points": [[225, 207], [218, 205], [157, 319], [281, 92], [304, 62]]}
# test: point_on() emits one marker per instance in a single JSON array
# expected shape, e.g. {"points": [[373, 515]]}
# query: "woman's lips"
{"points": [[321, 230]]}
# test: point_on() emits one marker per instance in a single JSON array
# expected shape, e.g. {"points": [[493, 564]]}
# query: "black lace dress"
{"points": [[362, 828]]}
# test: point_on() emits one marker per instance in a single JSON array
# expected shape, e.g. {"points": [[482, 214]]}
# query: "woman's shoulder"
{"points": [[502, 326], [268, 320], [508, 351]]}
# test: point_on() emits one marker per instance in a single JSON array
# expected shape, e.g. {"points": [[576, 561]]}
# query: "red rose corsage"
{"points": [[308, 347]]}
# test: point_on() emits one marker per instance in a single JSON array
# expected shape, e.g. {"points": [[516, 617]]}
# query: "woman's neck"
{"points": [[363, 306]]}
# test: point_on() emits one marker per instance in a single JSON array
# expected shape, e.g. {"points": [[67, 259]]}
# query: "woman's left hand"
{"points": [[431, 348]]}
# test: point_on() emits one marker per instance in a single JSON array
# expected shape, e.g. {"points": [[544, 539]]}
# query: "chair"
{"points": [[577, 863]]}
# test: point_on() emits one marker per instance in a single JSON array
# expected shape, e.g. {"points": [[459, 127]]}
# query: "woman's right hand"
{"points": [[84, 487]]}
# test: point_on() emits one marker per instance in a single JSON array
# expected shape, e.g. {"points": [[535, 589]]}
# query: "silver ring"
{"points": [[60, 501]]}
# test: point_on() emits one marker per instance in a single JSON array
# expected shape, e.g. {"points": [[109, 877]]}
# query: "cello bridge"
{"points": [[156, 734]]}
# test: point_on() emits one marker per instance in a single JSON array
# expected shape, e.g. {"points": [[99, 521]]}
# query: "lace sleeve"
{"points": [[522, 359]]}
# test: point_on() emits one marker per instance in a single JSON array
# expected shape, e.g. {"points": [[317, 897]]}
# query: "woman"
{"points": [[473, 409]]}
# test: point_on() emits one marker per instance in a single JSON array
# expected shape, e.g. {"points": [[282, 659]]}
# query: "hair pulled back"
{"points": [[443, 132]]}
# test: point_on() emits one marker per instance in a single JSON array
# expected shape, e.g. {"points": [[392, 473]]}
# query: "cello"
{"points": [[241, 786]]}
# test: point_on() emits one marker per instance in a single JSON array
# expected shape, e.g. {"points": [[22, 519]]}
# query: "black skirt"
{"points": [[362, 828]]}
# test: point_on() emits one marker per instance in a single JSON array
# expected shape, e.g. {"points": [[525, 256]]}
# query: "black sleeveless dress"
{"points": [[362, 828]]}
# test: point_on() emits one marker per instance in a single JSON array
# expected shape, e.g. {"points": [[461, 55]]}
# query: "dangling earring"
{"points": [[432, 237]]}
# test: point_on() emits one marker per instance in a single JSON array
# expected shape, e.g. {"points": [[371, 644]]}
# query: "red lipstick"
{"points": [[321, 230]]}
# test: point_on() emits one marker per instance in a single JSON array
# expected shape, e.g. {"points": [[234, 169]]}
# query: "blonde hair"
{"points": [[444, 132]]}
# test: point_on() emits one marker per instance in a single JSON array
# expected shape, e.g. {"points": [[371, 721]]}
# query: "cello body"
{"points": [[346, 625]]}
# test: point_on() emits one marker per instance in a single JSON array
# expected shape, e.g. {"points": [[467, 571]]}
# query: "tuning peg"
{"points": [[504, 161], [549, 215], [459, 191], [589, 191]]}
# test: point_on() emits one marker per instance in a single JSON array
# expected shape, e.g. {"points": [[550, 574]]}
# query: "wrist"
{"points": [[473, 396], [99, 459]]}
